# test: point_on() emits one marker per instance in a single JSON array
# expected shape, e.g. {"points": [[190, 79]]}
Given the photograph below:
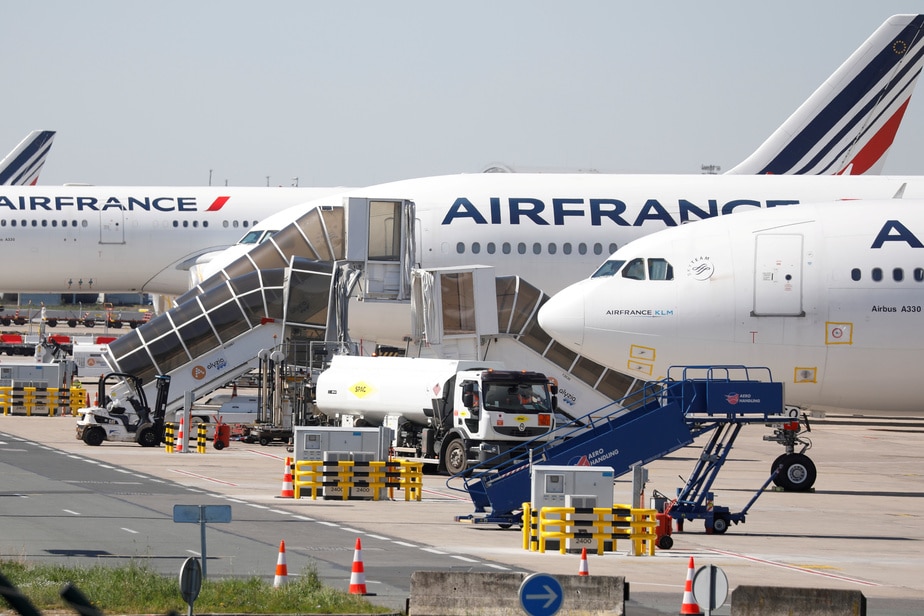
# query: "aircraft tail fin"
{"points": [[848, 124], [21, 167]]}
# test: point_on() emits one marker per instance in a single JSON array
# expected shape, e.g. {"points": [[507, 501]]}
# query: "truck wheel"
{"points": [[89, 323], [719, 525], [798, 474], [148, 438], [264, 441], [72, 322], [456, 457], [52, 322], [94, 437]]}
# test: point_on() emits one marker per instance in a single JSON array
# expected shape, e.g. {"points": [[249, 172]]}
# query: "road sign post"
{"points": [[710, 588], [202, 514], [541, 594]]}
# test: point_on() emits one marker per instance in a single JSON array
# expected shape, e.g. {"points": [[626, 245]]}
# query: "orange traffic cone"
{"points": [[689, 606], [179, 438], [582, 570], [282, 572], [358, 573], [288, 489]]}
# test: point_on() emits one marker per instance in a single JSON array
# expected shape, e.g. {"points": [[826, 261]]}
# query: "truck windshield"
{"points": [[515, 397]]}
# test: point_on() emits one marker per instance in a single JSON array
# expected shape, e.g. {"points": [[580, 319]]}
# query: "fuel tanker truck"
{"points": [[447, 412]]}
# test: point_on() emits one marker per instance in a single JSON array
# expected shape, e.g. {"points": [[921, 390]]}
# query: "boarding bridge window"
{"points": [[506, 290], [635, 270], [198, 336], [535, 337], [660, 269], [384, 233], [609, 268], [309, 292], [615, 385], [561, 356], [457, 293], [168, 353], [587, 370], [228, 320]]}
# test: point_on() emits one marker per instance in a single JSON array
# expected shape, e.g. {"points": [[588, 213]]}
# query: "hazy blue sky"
{"points": [[355, 93]]}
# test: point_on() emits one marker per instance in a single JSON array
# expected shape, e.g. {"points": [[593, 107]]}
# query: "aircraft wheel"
{"points": [[665, 542], [798, 474], [456, 457], [719, 525], [94, 437]]}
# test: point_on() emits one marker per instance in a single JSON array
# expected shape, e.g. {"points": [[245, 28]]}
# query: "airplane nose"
{"points": [[562, 317]]}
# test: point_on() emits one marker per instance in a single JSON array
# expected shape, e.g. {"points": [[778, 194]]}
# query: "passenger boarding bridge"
{"points": [[262, 303]]}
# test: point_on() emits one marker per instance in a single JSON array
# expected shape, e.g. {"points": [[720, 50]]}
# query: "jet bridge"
{"points": [[212, 338]]}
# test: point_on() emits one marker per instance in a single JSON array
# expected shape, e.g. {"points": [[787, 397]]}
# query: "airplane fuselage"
{"points": [[830, 297]]}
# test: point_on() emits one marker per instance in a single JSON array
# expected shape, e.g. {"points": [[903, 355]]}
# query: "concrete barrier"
{"points": [[449, 593], [780, 601]]}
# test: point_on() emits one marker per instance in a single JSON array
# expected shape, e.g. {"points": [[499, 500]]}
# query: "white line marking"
{"points": [[304, 519], [405, 544], [378, 537], [463, 558], [331, 524], [796, 568], [70, 512], [128, 530], [433, 551]]}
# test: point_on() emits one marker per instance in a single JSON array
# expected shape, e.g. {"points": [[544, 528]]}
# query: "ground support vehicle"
{"points": [[449, 413], [125, 420]]}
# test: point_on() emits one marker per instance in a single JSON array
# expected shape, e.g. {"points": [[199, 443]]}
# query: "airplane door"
{"points": [[112, 226], [778, 275]]}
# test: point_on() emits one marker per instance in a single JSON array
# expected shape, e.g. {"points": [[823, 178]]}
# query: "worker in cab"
{"points": [[528, 398]]}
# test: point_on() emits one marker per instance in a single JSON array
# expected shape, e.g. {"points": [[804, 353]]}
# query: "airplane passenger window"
{"points": [[205, 223], [3, 222], [176, 224], [919, 274], [537, 248], [855, 274], [898, 274], [44, 223], [582, 248], [491, 248], [566, 248], [235, 224], [613, 248], [521, 248], [196, 223], [505, 248], [460, 248], [246, 224], [598, 249], [553, 248], [660, 269], [608, 268], [635, 270], [877, 274], [476, 248], [224, 223]]}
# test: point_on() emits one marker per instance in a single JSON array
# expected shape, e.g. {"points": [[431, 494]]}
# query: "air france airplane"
{"points": [[829, 296], [124, 239], [22, 166]]}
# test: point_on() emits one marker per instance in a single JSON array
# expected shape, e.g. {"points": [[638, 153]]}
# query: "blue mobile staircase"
{"points": [[647, 425]]}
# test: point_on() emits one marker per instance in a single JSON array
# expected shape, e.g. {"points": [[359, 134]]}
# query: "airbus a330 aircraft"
{"points": [[143, 239], [830, 297], [22, 166]]}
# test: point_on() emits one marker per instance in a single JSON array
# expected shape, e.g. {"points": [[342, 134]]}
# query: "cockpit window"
{"points": [[660, 269], [251, 238], [635, 269], [608, 269]]}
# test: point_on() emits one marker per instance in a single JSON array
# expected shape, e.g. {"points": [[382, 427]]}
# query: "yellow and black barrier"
{"points": [[352, 478], [50, 400], [599, 525], [170, 437]]}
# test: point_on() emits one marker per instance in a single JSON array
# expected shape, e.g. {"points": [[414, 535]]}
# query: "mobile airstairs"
{"points": [[661, 418]]}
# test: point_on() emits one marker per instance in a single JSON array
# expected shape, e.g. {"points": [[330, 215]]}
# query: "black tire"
{"points": [[455, 457], [264, 441], [72, 322], [798, 474], [148, 438], [776, 463], [665, 542], [94, 437], [219, 445], [116, 324], [89, 323], [52, 322], [719, 525]]}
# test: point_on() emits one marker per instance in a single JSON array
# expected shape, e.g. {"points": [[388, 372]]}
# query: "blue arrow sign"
{"points": [[541, 595]]}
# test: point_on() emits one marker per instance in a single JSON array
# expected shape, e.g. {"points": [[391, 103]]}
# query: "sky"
{"points": [[347, 93]]}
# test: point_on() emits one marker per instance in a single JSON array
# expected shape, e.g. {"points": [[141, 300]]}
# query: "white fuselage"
{"points": [[124, 239], [830, 297]]}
